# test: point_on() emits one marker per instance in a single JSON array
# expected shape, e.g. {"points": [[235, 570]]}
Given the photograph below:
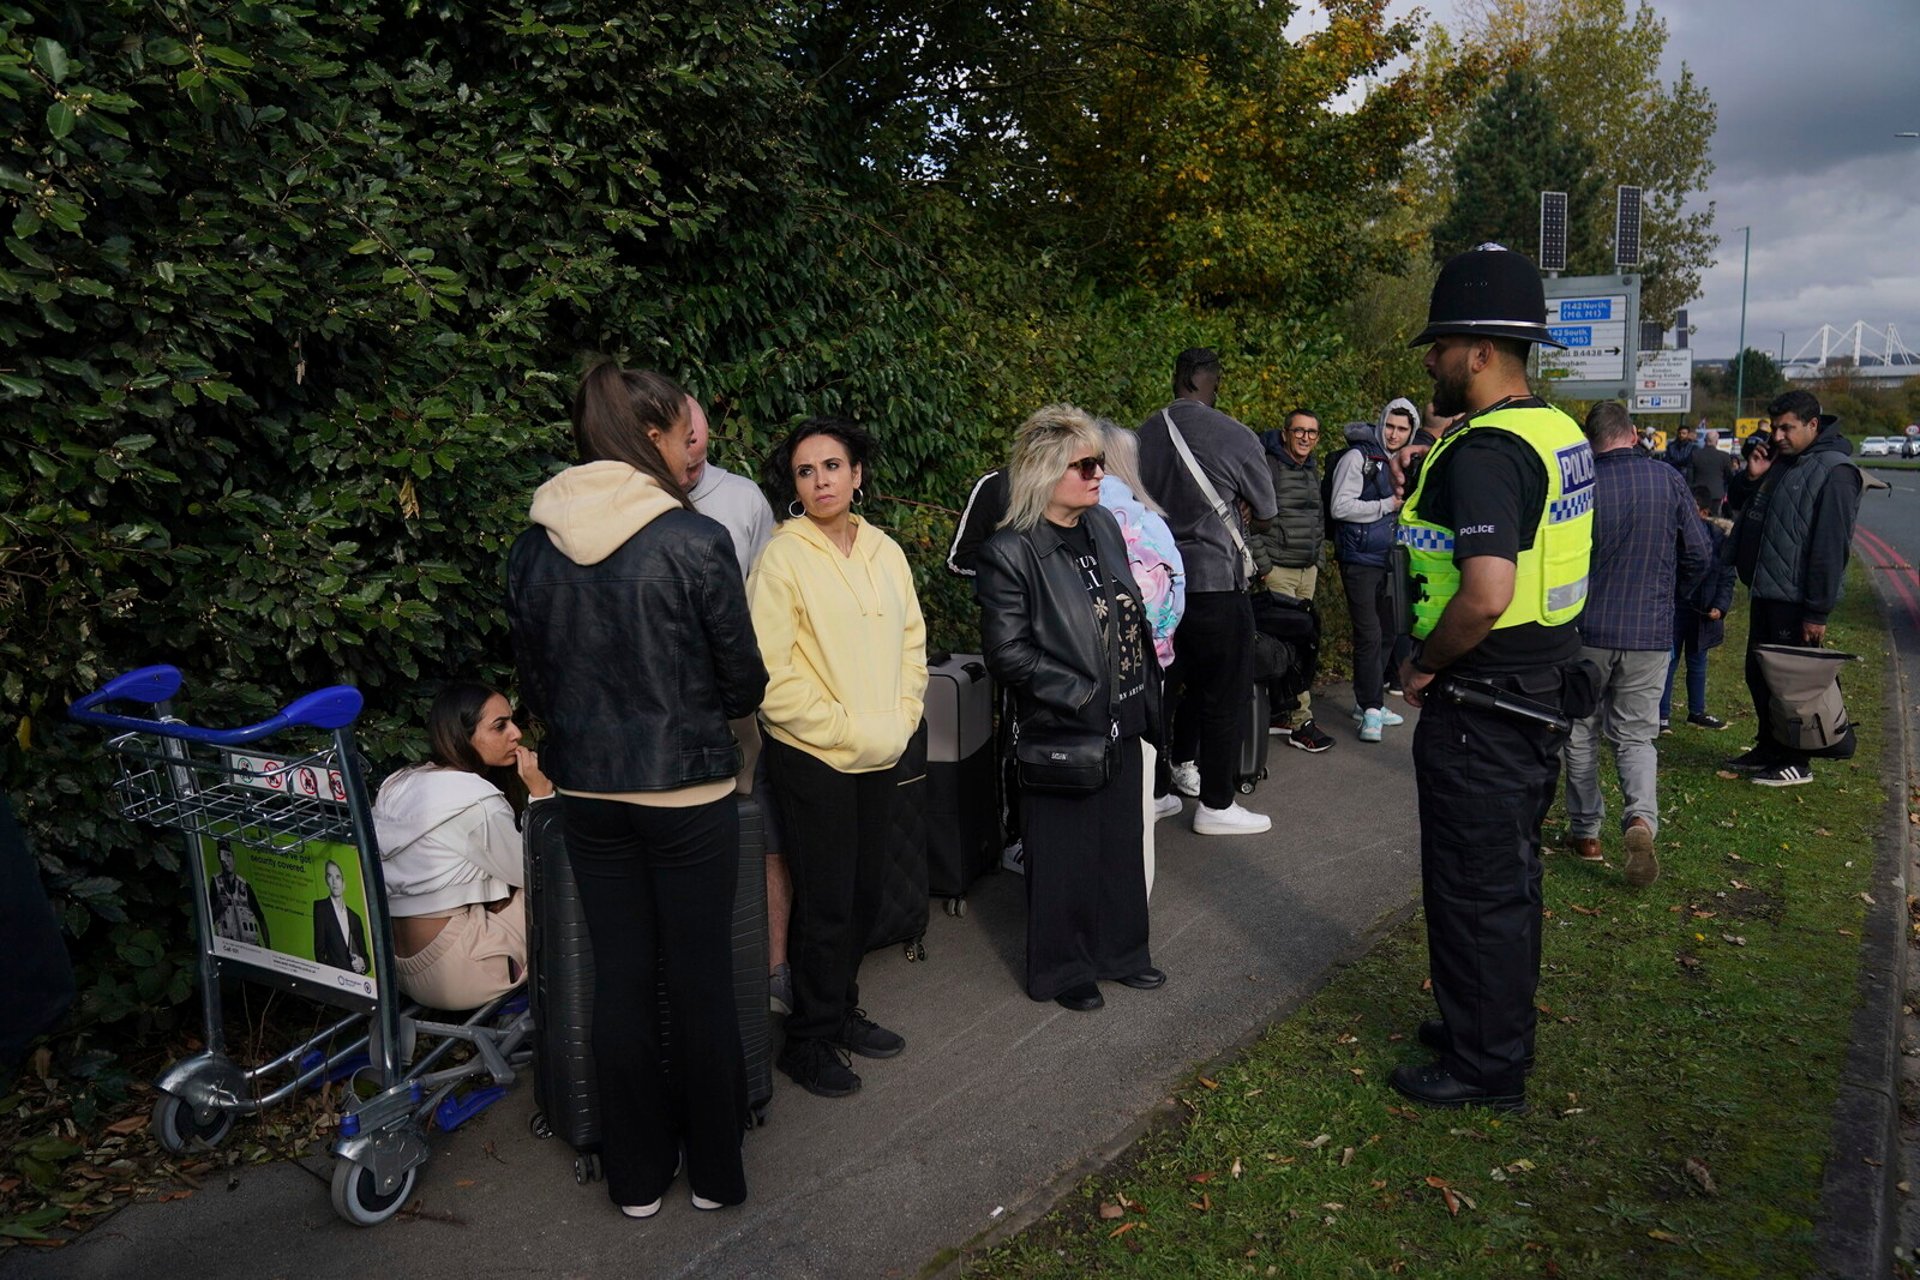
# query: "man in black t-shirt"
{"points": [[1495, 594]]}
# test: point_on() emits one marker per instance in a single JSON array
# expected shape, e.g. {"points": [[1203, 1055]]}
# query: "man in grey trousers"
{"points": [[1647, 540]]}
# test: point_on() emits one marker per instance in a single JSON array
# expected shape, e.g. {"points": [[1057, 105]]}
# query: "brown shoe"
{"points": [[1642, 867], [1586, 848]]}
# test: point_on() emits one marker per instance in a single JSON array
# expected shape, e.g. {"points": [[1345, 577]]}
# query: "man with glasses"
{"points": [[1213, 648], [1790, 547], [1287, 555]]}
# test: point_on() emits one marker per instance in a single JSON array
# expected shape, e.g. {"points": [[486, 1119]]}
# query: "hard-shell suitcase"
{"points": [[963, 809], [1251, 770], [902, 917], [560, 982]]}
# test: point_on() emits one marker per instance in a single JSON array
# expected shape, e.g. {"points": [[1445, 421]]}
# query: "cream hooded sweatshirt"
{"points": [[590, 511], [844, 643]]}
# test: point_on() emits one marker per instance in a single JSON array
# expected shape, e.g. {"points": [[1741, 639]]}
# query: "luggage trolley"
{"points": [[308, 915]]}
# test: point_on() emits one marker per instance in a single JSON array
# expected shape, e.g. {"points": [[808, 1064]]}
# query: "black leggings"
{"points": [[838, 829], [657, 886]]}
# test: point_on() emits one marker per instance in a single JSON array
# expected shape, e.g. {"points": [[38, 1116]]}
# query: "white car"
{"points": [[1877, 447]]}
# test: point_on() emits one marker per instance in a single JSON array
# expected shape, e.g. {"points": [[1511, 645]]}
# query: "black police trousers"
{"points": [[1486, 781]]}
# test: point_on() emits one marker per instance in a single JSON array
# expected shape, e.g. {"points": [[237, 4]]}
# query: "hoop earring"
{"points": [[795, 510], [860, 497]]}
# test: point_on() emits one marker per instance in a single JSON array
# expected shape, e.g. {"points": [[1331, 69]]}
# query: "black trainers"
{"points": [[1308, 737], [862, 1035], [1784, 775], [819, 1068], [1701, 720], [1753, 760]]}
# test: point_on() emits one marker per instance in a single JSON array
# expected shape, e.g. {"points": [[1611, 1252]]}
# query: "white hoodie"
{"points": [[447, 839]]}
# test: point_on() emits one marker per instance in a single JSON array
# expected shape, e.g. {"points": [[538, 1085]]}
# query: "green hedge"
{"points": [[294, 298]]}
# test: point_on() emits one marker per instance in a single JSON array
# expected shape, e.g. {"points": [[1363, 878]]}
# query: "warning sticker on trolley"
{"points": [[288, 777]]}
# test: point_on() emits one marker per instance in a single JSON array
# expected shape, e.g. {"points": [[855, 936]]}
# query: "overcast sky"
{"points": [[1810, 98]]}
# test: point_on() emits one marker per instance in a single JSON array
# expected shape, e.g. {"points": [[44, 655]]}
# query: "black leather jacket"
{"points": [[1041, 637], [635, 664]]}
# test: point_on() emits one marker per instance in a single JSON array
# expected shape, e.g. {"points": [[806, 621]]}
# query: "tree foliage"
{"points": [[1598, 64], [1513, 148]]}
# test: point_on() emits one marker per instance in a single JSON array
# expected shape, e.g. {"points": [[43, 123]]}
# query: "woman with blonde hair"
{"points": [[1066, 630]]}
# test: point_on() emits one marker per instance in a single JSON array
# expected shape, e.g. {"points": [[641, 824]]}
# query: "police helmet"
{"points": [[1488, 292]]}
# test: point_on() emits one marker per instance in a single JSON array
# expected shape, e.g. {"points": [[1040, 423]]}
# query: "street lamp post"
{"points": [[1740, 360]]}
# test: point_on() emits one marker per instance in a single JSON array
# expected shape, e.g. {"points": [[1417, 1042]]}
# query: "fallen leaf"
{"points": [[1235, 1171], [1585, 911], [1666, 1237], [1520, 1166], [1123, 1228], [1254, 1093], [464, 1182], [1821, 831], [1434, 1180], [1868, 899], [1870, 1160], [1426, 984], [1346, 1157], [1334, 1206], [1726, 773], [1704, 915], [1453, 1201], [1403, 1113], [1697, 1170], [132, 1124], [1734, 939], [1318, 1142], [1211, 1084], [1396, 1037], [1109, 1211], [1465, 1199], [1903, 1187], [1204, 1203], [1201, 1177]]}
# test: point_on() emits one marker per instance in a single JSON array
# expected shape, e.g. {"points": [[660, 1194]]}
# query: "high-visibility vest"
{"points": [[1550, 578]]}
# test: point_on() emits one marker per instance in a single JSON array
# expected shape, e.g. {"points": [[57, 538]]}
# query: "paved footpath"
{"points": [[996, 1100]]}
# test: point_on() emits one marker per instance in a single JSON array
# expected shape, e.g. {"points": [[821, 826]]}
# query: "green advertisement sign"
{"points": [[291, 908]]}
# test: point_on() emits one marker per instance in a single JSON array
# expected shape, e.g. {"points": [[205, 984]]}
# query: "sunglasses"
{"points": [[1088, 467]]}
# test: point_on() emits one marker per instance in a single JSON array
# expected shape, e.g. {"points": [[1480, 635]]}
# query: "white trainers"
{"points": [[1014, 858], [1186, 779], [1388, 716], [1230, 821], [1370, 725], [1166, 806]]}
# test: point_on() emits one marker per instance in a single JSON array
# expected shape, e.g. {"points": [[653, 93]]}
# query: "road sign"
{"points": [[1595, 331], [1744, 427], [1663, 382]]}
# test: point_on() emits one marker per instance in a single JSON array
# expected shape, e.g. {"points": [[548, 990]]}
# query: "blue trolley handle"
{"points": [[334, 707]]}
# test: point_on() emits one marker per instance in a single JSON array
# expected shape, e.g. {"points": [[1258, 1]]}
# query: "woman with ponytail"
{"points": [[635, 649]]}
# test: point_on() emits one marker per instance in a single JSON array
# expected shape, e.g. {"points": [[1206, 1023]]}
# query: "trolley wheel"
{"points": [[1246, 788], [957, 908], [916, 950], [586, 1168], [357, 1198], [537, 1125], [178, 1131]]}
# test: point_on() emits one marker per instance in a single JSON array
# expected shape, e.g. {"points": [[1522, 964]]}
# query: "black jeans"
{"points": [[1213, 661], [1771, 622], [657, 886], [1087, 882], [1485, 783], [838, 828], [1371, 607]]}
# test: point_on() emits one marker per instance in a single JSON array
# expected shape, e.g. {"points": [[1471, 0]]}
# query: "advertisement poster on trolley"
{"points": [[292, 907]]}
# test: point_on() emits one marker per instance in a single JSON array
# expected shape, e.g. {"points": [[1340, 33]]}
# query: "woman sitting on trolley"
{"points": [[452, 854]]}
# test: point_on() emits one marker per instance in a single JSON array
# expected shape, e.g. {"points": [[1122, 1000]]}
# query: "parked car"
{"points": [[1876, 447]]}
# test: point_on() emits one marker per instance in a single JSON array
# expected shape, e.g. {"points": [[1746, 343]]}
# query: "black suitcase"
{"points": [[963, 807], [1251, 770], [560, 983], [902, 917]]}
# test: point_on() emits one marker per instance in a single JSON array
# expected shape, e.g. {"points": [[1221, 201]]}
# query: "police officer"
{"points": [[1496, 535]]}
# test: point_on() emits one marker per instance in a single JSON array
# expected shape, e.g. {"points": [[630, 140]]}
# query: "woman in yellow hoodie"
{"points": [[840, 630]]}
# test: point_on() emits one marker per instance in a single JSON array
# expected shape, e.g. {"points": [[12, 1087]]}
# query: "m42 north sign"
{"points": [[1598, 318], [1663, 382]]}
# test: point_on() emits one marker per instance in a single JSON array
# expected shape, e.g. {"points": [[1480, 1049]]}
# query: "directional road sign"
{"points": [[1595, 331], [1663, 382], [1598, 318]]}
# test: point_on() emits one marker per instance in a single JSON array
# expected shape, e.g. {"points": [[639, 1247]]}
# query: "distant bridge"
{"points": [[1832, 352]]}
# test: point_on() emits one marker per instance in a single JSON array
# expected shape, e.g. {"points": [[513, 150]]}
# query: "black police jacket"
{"points": [[1037, 623], [635, 664]]}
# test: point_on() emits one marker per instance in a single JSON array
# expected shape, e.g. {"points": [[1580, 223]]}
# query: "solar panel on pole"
{"points": [[1553, 231], [1626, 228]]}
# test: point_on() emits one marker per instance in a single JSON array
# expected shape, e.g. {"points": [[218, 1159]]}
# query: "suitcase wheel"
{"points": [[957, 908], [537, 1125], [1246, 786], [586, 1168], [916, 950]]}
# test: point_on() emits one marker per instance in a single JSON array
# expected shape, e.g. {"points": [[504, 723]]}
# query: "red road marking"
{"points": [[1901, 574]]}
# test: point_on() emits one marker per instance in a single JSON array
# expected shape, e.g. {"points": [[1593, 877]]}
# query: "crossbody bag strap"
{"points": [[1211, 494]]}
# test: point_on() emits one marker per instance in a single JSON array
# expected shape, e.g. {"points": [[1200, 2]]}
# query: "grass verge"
{"points": [[1691, 1039]]}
